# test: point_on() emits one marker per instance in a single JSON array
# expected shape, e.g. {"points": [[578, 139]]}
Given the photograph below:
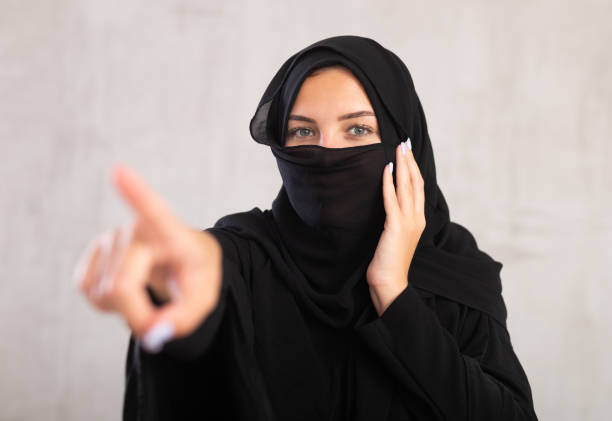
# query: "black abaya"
{"points": [[295, 335]]}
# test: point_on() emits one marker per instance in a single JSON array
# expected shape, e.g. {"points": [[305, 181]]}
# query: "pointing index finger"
{"points": [[142, 199]]}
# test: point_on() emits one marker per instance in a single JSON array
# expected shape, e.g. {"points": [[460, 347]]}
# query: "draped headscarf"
{"points": [[447, 261]]}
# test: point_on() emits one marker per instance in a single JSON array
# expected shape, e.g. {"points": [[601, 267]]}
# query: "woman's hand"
{"points": [[387, 273], [155, 250]]}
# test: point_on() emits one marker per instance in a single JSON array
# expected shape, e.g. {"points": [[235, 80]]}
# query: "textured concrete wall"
{"points": [[518, 97]]}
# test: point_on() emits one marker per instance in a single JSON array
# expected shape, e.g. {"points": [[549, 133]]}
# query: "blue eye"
{"points": [[299, 132], [361, 130]]}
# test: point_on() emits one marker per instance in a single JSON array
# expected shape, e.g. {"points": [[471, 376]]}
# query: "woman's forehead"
{"points": [[334, 88]]}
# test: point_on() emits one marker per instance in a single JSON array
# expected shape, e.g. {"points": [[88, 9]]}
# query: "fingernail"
{"points": [[102, 269], [175, 291], [390, 167], [157, 336], [126, 233], [78, 272], [106, 242], [403, 148], [409, 143]]}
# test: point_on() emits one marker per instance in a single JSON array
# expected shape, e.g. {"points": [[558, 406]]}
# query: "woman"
{"points": [[354, 297]]}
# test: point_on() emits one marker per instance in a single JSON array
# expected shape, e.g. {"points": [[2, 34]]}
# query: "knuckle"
{"points": [[421, 182], [183, 321], [119, 289], [126, 234], [104, 290], [104, 240], [137, 324], [83, 286], [92, 297], [183, 327]]}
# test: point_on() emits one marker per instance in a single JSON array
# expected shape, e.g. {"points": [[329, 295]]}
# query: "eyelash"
{"points": [[369, 130]]}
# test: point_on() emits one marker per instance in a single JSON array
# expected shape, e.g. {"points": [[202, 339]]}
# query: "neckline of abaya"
{"points": [[338, 293]]}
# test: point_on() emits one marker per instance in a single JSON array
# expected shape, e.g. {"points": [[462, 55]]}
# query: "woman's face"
{"points": [[332, 110]]}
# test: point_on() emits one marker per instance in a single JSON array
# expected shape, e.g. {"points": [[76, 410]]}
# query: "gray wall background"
{"points": [[518, 96]]}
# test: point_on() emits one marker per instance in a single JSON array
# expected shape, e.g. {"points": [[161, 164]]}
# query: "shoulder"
{"points": [[254, 225], [245, 236], [238, 219]]}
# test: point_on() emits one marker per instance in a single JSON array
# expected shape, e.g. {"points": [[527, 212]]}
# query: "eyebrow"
{"points": [[342, 117]]}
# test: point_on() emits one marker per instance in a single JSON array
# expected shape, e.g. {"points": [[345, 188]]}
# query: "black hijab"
{"points": [[331, 258]]}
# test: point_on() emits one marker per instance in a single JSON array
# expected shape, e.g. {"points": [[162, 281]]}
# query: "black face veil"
{"points": [[333, 257]]}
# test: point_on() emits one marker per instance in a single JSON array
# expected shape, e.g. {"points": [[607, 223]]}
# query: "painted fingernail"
{"points": [[390, 167], [157, 336], [409, 143], [102, 269], [403, 148], [173, 286], [126, 233], [78, 274]]}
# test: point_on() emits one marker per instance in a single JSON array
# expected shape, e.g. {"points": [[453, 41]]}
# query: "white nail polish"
{"points": [[107, 281], [125, 234], [157, 336], [409, 143], [390, 167], [78, 274], [403, 145], [173, 287], [103, 269]]}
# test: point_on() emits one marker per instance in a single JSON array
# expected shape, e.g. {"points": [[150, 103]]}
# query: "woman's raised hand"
{"points": [[387, 273], [158, 250]]}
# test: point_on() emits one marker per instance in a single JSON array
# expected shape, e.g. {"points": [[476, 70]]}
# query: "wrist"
{"points": [[383, 296]]}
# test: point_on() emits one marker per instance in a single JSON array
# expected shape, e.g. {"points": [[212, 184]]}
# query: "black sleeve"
{"points": [[458, 361], [235, 262], [190, 377]]}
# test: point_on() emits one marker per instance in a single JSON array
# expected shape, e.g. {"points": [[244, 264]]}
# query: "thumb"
{"points": [[177, 318], [160, 333]]}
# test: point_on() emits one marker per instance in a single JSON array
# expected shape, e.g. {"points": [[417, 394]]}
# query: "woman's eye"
{"points": [[301, 132], [359, 130]]}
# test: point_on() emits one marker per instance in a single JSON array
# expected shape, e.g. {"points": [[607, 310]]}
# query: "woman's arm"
{"points": [[197, 342], [191, 377], [234, 288], [470, 374]]}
